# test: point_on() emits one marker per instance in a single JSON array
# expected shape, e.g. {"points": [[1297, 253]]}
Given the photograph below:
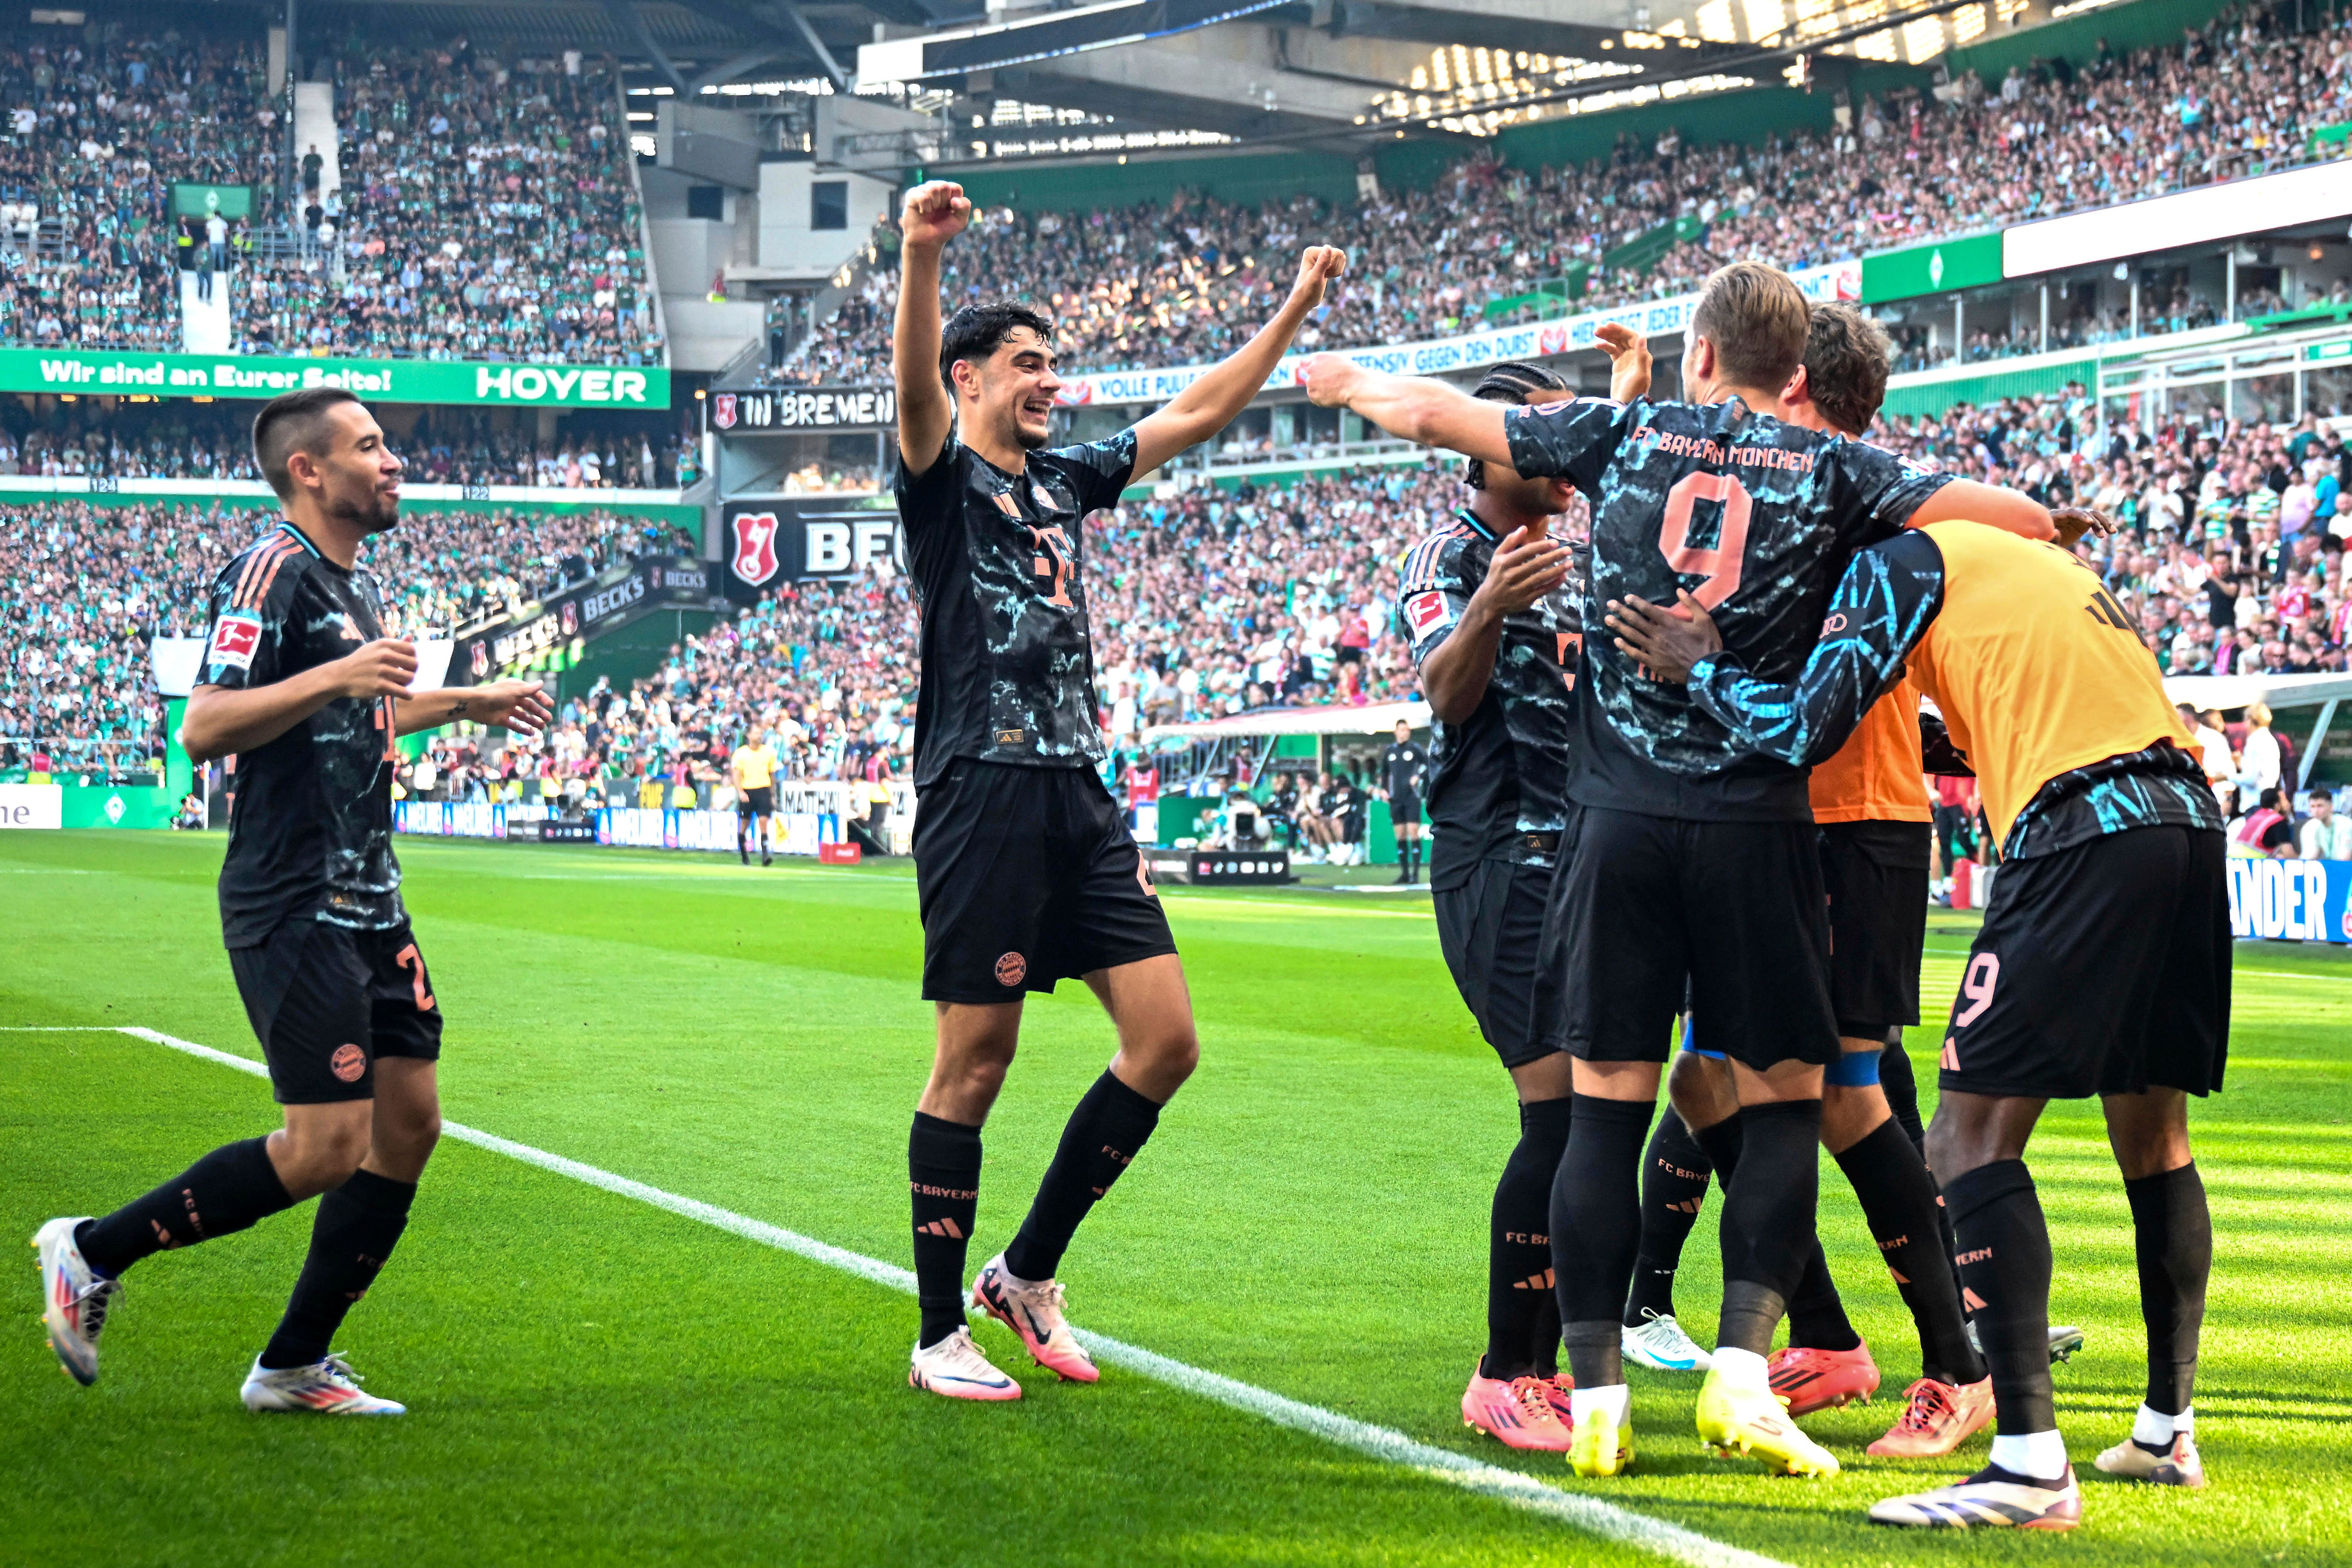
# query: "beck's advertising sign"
{"points": [[766, 539]]}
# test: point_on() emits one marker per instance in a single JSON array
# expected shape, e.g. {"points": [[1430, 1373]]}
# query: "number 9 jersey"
{"points": [[1756, 518]]}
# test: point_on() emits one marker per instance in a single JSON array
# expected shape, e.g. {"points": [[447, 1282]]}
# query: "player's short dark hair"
{"points": [[1758, 320], [289, 423], [1513, 382], [977, 331], [1847, 356]]}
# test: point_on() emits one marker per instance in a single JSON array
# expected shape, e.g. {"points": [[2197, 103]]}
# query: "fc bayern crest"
{"points": [[722, 410], [755, 546]]}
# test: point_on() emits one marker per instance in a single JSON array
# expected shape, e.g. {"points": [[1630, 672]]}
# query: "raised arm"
{"points": [[1210, 404], [933, 215], [1417, 407], [1883, 607]]}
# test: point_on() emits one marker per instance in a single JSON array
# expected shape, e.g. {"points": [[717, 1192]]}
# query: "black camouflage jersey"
{"points": [[1007, 654], [1756, 518], [1884, 604], [1500, 772], [2161, 785], [310, 834]]}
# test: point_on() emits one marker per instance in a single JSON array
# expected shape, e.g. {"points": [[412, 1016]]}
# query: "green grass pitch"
{"points": [[594, 1379]]}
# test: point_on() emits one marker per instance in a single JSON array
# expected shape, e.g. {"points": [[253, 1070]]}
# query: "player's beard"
{"points": [[379, 513]]}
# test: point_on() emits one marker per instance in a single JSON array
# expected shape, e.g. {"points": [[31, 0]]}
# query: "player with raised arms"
{"points": [[1025, 873], [2102, 965], [1488, 606], [303, 688], [1689, 862]]}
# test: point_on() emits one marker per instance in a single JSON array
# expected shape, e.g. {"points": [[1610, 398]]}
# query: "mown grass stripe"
{"points": [[1385, 1444]]}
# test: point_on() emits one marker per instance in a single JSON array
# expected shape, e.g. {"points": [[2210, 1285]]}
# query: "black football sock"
{"points": [[1414, 848], [1101, 1139], [1817, 1317], [1719, 1142], [352, 1235], [2004, 1262], [1675, 1171], [1546, 1353], [943, 1175], [228, 1190], [1898, 1203], [1518, 1241], [2172, 1231], [1901, 1087], [1596, 1230], [1767, 1219]]}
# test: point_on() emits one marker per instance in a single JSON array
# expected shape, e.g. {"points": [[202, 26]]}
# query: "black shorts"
{"points": [[1875, 874], [2103, 968], [1026, 877], [1490, 929], [325, 1001], [761, 802], [1405, 811], [1647, 909]]}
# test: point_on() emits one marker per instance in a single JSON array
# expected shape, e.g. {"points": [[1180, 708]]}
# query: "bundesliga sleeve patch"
{"points": [[1424, 612], [235, 636]]}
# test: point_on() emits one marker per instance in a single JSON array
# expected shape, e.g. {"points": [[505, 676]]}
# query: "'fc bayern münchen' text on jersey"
{"points": [[1756, 518], [1498, 773], [2041, 681], [1007, 654], [310, 834]]}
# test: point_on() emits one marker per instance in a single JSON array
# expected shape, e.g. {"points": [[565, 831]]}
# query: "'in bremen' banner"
{"points": [[108, 373]]}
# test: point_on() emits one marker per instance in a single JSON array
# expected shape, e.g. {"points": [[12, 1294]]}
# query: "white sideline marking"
{"points": [[1391, 1447]]}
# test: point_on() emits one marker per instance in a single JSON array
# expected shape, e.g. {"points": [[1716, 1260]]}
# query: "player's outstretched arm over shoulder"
{"points": [[934, 213], [1883, 607], [521, 706], [1210, 404], [1969, 500], [222, 721], [1417, 407]]}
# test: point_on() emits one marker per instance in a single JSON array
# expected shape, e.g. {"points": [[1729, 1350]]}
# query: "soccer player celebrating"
{"points": [[1406, 767], [1688, 861], [1485, 606], [753, 770], [2103, 966], [1026, 874], [303, 688], [1871, 805]]}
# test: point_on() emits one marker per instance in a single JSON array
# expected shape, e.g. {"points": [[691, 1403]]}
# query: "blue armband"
{"points": [[1853, 1069]]}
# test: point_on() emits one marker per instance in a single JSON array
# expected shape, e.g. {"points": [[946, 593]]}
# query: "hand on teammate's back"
{"points": [[1522, 571], [380, 669], [2074, 521], [935, 213], [1667, 641]]}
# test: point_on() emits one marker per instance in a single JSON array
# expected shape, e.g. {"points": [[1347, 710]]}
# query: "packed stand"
{"points": [[1208, 604], [489, 210], [179, 440], [82, 589], [99, 124], [1187, 282]]}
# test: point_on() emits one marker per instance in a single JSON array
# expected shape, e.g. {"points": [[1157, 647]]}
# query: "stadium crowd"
{"points": [[1185, 282], [488, 208], [180, 441], [84, 588]]}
